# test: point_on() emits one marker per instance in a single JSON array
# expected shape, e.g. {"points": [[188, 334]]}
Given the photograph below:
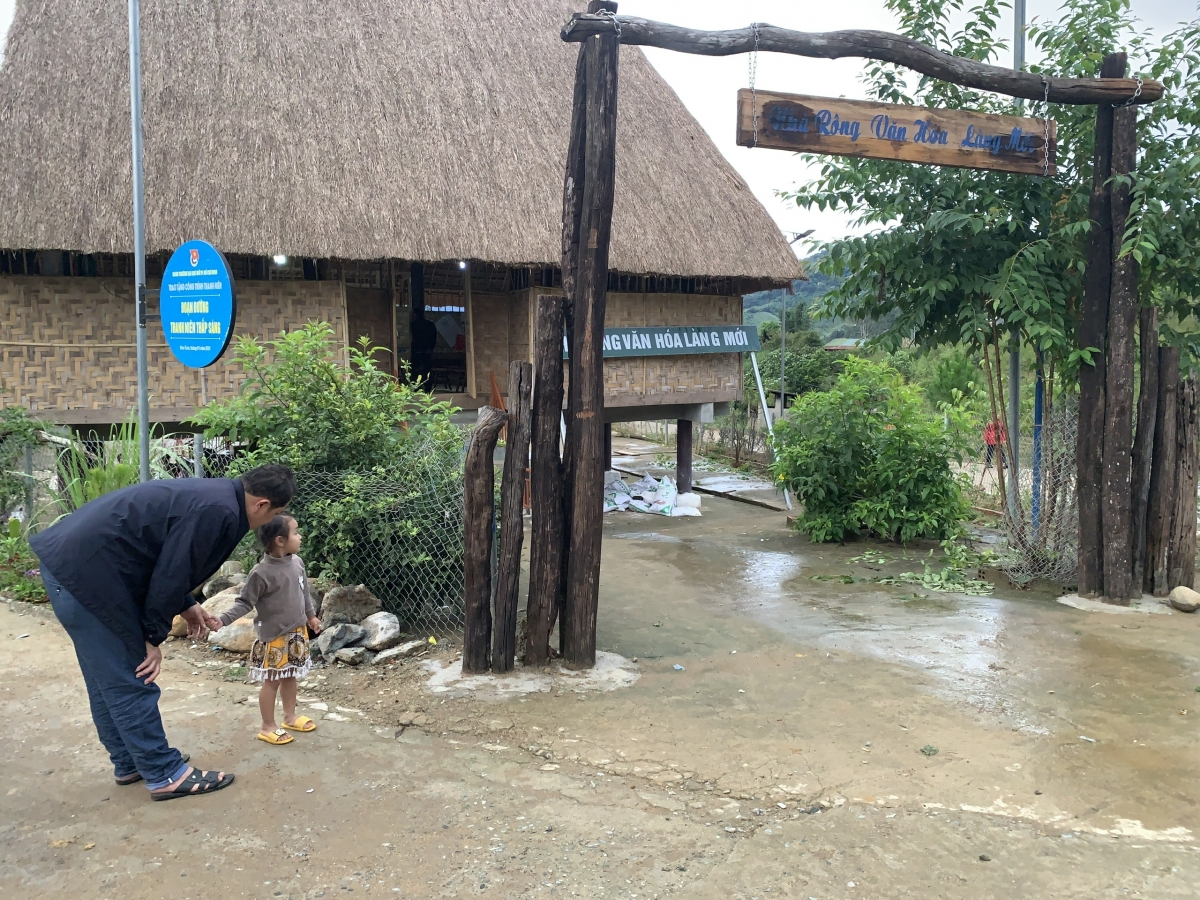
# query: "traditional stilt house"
{"points": [[366, 166]]}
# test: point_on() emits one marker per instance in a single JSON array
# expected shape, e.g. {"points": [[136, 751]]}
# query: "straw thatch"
{"points": [[389, 129]]}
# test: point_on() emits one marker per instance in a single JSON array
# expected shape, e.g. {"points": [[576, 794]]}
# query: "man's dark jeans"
{"points": [[124, 709]]}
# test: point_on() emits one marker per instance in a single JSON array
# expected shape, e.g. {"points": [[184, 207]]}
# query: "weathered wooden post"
{"points": [[512, 521], [1093, 332], [1160, 503], [1116, 486], [1181, 557], [479, 490], [1143, 443], [546, 482], [586, 424]]}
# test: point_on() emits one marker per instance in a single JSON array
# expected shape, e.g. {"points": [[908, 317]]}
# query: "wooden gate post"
{"points": [[1160, 503], [1116, 488], [1093, 332], [1181, 555], [512, 520], [586, 425], [479, 487], [546, 482], [1143, 444]]}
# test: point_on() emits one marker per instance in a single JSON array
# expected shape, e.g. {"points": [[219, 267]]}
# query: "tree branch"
{"points": [[879, 45]]}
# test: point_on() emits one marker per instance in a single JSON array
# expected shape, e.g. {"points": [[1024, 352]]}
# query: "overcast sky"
{"points": [[708, 86]]}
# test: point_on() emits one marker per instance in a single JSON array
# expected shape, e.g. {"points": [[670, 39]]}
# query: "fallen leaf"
{"points": [[63, 842], [88, 846]]}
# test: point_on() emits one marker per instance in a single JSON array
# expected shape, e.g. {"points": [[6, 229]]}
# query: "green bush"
{"points": [[378, 466], [20, 577], [807, 370], [18, 430], [868, 457]]}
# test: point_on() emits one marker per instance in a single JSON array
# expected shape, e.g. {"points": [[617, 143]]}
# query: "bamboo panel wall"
{"points": [[68, 343], [672, 379], [501, 326]]}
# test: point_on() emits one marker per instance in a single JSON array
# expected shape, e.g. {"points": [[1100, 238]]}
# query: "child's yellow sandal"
{"points": [[278, 736], [302, 723]]}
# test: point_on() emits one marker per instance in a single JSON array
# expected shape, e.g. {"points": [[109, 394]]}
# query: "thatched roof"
{"points": [[410, 129]]}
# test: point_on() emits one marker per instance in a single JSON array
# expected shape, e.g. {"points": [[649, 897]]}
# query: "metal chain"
{"points": [[753, 76], [612, 16], [1046, 133], [1132, 100]]}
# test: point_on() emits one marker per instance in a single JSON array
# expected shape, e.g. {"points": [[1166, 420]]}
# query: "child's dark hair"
{"points": [[278, 527]]}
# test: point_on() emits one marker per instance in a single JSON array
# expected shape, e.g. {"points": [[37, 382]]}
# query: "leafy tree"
{"points": [[868, 456], [965, 256]]}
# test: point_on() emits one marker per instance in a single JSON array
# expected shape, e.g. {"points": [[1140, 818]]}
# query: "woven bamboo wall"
{"points": [[670, 379], [68, 343], [501, 326]]}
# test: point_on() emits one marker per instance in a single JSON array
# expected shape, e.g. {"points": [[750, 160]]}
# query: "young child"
{"points": [[277, 591]]}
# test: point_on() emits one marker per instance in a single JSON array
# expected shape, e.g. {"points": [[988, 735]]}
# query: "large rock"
{"points": [[214, 606], [219, 583], [408, 648], [1184, 599], [349, 604], [380, 631], [237, 637], [319, 587], [351, 656], [231, 567], [334, 638]]}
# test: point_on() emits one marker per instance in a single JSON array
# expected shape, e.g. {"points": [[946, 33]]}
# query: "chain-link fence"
{"points": [[396, 529], [399, 531], [1040, 519]]}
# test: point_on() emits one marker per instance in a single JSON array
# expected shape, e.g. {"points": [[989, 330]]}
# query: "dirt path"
{"points": [[695, 783]]}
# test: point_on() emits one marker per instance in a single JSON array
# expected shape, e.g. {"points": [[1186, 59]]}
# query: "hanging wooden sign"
{"points": [[935, 137]]}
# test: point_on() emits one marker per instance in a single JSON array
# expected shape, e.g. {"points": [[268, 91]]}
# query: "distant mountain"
{"points": [[763, 305]]}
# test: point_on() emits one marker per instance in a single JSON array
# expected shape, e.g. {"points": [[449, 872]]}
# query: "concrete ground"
{"points": [[783, 760]]}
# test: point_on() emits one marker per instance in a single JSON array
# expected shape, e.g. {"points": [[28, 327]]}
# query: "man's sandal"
{"points": [[197, 782], [278, 736], [136, 777], [302, 724]]}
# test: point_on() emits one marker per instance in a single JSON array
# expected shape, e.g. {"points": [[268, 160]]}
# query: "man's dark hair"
{"points": [[278, 527], [275, 482]]}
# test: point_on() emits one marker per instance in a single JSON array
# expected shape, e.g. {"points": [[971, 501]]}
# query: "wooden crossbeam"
{"points": [[879, 45]]}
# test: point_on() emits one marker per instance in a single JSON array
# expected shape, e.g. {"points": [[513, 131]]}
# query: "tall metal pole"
{"points": [[139, 234], [1014, 342], [783, 354]]}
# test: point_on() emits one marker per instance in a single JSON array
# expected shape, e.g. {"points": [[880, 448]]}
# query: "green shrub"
{"points": [[378, 466], [20, 577], [808, 369], [867, 456], [18, 430]]}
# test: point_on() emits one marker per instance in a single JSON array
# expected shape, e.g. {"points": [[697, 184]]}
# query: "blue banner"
{"points": [[197, 303]]}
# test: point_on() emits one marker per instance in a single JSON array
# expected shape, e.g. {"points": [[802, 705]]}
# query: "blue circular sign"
{"points": [[197, 303]]}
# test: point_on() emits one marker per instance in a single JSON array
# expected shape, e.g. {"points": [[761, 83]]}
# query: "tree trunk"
{"points": [[683, 455], [512, 519], [587, 353], [479, 489], [1162, 475], [1181, 557], [1116, 492], [1093, 330], [546, 482], [1143, 445]]}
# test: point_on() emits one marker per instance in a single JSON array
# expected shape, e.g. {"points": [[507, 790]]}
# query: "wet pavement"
{"points": [[819, 739]]}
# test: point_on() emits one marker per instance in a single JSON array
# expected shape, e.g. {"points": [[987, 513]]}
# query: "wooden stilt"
{"points": [[1160, 504], [546, 524], [1143, 444], [1093, 332], [607, 446], [1116, 489], [586, 425], [478, 508], [683, 455], [512, 520]]}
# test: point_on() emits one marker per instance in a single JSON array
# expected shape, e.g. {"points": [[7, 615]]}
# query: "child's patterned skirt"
{"points": [[285, 657]]}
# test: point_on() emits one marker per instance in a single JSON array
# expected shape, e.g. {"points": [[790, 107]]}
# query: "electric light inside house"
{"points": [[462, 263], [280, 259]]}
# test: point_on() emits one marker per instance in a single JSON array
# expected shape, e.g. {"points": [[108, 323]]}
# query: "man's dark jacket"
{"points": [[133, 556]]}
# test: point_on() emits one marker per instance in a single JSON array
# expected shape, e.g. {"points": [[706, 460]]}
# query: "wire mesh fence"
{"points": [[396, 529], [1040, 518]]}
